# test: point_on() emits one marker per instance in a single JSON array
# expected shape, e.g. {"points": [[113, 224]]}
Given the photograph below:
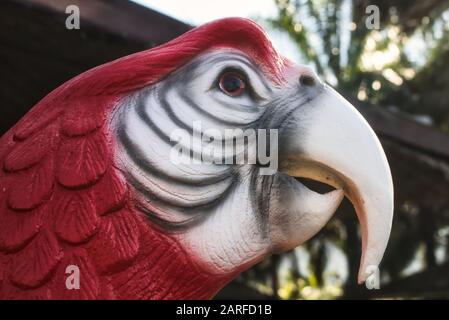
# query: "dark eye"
{"points": [[232, 83]]}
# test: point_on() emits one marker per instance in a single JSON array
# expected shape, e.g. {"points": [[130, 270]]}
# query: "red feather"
{"points": [[82, 160], [75, 216], [33, 266], [117, 242], [84, 115], [62, 200], [32, 187], [19, 228], [109, 192], [37, 119], [28, 153]]}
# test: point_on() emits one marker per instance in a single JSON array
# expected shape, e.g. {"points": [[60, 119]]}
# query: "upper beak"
{"points": [[332, 143]]}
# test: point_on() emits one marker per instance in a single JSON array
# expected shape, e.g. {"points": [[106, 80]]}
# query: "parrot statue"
{"points": [[92, 206]]}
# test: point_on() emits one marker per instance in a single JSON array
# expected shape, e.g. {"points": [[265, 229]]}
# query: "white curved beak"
{"points": [[335, 145]]}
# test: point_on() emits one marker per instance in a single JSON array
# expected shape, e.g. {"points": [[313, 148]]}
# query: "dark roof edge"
{"points": [[115, 15]]}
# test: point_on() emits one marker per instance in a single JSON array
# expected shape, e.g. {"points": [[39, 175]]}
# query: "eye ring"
{"points": [[232, 83]]}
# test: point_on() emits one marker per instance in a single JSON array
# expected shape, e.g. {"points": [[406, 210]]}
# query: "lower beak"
{"points": [[332, 143]]}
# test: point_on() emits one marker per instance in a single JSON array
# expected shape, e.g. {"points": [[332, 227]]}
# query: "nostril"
{"points": [[306, 80]]}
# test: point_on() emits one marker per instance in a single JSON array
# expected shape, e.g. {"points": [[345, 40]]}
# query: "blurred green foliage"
{"points": [[406, 57]]}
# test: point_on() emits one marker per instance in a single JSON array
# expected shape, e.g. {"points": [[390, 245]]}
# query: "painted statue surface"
{"points": [[108, 175]]}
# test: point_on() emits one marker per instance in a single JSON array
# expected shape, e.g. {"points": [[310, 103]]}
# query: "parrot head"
{"points": [[230, 214], [185, 160]]}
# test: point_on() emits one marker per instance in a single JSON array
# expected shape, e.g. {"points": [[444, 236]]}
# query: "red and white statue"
{"points": [[87, 182]]}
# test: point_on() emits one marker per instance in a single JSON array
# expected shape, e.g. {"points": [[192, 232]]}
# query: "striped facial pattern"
{"points": [[219, 211]]}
